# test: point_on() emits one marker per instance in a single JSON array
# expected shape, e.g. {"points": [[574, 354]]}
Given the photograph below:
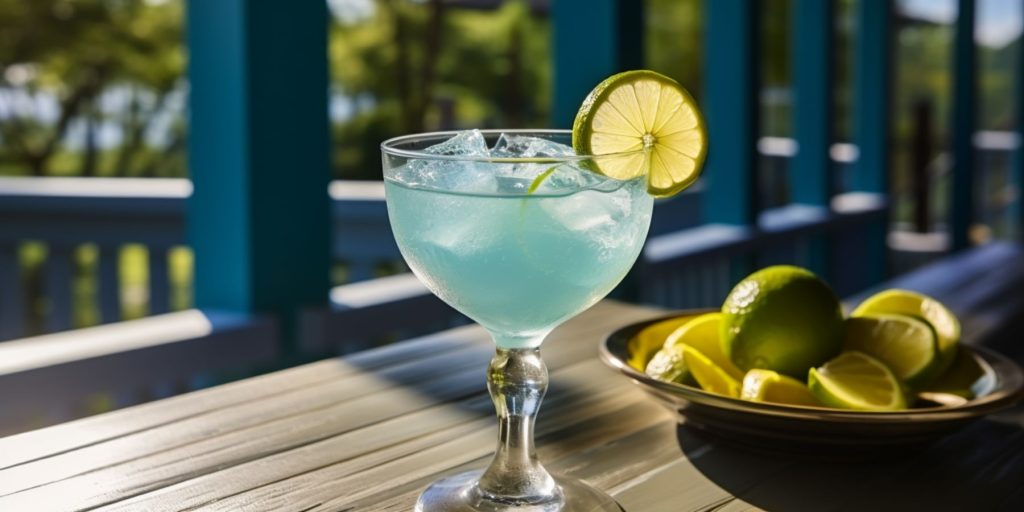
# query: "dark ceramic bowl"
{"points": [[778, 427]]}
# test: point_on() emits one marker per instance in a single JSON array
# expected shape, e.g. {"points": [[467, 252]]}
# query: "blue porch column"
{"points": [[593, 39], [258, 219], [731, 108], [872, 127], [810, 170], [964, 122], [1018, 157]]}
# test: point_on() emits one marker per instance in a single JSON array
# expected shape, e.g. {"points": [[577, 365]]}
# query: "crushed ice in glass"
{"points": [[467, 176]]}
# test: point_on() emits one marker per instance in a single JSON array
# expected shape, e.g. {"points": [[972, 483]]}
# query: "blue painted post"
{"points": [[810, 174], [258, 220], [593, 39], [964, 121], [872, 130], [1018, 157], [810, 170], [731, 107]]}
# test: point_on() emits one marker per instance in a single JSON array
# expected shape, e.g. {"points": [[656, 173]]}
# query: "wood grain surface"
{"points": [[368, 432]]}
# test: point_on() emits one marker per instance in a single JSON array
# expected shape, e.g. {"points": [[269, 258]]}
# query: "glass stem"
{"points": [[517, 380]]}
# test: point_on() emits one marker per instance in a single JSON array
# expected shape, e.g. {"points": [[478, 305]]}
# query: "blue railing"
{"points": [[259, 221]]}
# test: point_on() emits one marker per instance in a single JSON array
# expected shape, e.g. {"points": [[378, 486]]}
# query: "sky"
{"points": [[997, 22]]}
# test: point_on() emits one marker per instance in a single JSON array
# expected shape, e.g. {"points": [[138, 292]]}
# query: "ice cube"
{"points": [[589, 210], [523, 146], [452, 175], [568, 177], [465, 143]]}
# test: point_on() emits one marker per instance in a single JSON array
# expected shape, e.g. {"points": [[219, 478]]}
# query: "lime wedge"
{"points": [[650, 124], [768, 386], [702, 333], [964, 378], [649, 340], [710, 377], [905, 344], [904, 302], [668, 365], [855, 380]]}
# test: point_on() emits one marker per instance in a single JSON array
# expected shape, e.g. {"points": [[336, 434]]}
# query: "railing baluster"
{"points": [[159, 280], [360, 270], [872, 94], [964, 122], [109, 283], [12, 293], [57, 281]]}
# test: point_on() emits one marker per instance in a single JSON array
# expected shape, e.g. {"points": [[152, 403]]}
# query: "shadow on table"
{"points": [[979, 468]]}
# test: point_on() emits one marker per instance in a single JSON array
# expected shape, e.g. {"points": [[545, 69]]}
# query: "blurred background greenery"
{"points": [[98, 87]]}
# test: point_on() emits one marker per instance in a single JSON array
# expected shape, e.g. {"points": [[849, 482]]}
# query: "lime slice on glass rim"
{"points": [[855, 380], [649, 125]]}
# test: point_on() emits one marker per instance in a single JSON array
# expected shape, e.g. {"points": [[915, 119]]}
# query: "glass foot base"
{"points": [[459, 493]]}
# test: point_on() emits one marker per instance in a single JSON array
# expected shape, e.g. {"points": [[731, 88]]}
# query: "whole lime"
{"points": [[781, 318]]}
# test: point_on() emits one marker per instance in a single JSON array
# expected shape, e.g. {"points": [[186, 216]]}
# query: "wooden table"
{"points": [[368, 432]]}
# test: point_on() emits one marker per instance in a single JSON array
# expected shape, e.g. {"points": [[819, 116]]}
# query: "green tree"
{"points": [[72, 52], [414, 66]]}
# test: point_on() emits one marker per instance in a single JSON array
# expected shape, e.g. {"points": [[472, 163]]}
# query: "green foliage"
{"points": [[73, 52], [488, 68], [674, 41]]}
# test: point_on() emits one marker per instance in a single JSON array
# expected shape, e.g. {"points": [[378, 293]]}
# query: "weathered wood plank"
{"points": [[359, 394], [401, 388], [576, 397], [68, 436]]}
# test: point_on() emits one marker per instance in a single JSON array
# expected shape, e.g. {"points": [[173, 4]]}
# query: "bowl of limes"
{"points": [[781, 367]]}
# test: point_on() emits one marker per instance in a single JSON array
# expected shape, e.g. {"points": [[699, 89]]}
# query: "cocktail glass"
{"points": [[519, 254]]}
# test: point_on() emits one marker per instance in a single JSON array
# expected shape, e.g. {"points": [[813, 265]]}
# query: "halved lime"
{"points": [[708, 374], [702, 333], [769, 386], [906, 345], [905, 302], [651, 123], [650, 340], [855, 380], [668, 365]]}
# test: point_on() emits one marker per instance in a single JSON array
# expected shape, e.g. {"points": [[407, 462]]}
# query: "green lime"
{"points": [[769, 386], [905, 344], [650, 340], [781, 318], [904, 302], [710, 377], [668, 365], [649, 125], [855, 380], [703, 334]]}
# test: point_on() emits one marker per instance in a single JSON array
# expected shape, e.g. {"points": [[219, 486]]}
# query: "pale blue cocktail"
{"points": [[519, 234]]}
